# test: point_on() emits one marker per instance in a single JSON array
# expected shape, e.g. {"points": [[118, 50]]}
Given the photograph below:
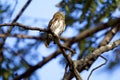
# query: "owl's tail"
{"points": [[48, 40]]}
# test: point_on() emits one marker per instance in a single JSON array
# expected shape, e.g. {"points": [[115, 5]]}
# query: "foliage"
{"points": [[88, 13]]}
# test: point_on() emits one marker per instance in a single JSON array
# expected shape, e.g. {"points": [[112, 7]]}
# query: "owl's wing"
{"points": [[51, 22]]}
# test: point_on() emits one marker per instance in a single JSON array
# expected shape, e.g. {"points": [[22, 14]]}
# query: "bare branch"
{"points": [[69, 42], [22, 58], [97, 67], [15, 19], [24, 26], [21, 11], [89, 32], [21, 36], [19, 14], [68, 59], [88, 60], [110, 34]]}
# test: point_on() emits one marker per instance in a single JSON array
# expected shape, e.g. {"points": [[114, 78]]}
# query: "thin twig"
{"points": [[19, 14], [98, 66], [21, 11], [8, 49]]}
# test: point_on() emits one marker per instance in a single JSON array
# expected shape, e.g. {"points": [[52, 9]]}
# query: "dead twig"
{"points": [[97, 66]]}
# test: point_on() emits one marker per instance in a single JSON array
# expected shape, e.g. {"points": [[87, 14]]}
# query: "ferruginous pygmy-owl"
{"points": [[56, 25]]}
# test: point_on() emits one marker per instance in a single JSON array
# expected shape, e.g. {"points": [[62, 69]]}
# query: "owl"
{"points": [[56, 26]]}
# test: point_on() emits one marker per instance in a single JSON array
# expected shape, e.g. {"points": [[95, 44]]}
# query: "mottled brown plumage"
{"points": [[56, 25]]}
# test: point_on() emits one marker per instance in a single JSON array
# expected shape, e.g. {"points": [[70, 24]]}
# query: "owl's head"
{"points": [[59, 15]]}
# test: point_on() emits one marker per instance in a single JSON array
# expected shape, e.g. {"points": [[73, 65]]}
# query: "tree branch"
{"points": [[15, 19], [24, 26], [21, 36], [97, 67], [69, 42], [68, 59], [86, 62], [110, 34], [89, 32]]}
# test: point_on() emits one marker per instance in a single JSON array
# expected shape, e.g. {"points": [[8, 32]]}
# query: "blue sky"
{"points": [[43, 11]]}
